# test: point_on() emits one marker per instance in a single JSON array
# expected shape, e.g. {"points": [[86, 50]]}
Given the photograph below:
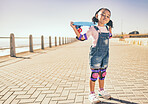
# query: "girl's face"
{"points": [[103, 16]]}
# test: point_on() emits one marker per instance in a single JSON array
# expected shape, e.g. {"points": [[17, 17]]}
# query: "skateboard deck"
{"points": [[80, 24], [84, 24]]}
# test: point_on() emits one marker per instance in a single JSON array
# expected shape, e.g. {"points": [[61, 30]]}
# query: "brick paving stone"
{"points": [[3, 92], [53, 102], [66, 102], [46, 101], [2, 88], [71, 96], [47, 92], [59, 90], [19, 92], [27, 88], [60, 98], [1, 102], [23, 96], [65, 93], [15, 101], [60, 75], [10, 99], [53, 95], [31, 91], [79, 99], [40, 97], [27, 100], [6, 96], [35, 94], [16, 89]]}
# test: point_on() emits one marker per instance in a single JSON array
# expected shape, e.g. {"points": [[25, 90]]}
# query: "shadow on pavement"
{"points": [[40, 52], [24, 57], [118, 101]]}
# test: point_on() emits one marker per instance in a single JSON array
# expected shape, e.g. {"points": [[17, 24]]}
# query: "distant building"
{"points": [[134, 32]]}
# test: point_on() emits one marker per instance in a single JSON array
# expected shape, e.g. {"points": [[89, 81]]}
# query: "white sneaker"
{"points": [[93, 98], [104, 94]]}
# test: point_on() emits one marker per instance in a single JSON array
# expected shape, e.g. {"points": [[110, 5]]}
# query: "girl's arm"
{"points": [[110, 29], [76, 31], [110, 24]]}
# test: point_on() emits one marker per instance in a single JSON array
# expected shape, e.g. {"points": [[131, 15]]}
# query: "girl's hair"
{"points": [[94, 19]]}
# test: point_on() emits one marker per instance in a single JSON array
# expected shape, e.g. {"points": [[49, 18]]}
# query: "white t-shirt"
{"points": [[95, 34]]}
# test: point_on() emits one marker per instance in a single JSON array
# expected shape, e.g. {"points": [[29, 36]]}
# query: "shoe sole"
{"points": [[109, 98], [96, 102]]}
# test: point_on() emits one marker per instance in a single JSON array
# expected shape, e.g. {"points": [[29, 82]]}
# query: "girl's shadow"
{"points": [[118, 101]]}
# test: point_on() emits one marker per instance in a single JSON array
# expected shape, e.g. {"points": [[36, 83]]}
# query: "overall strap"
{"points": [[107, 28], [96, 28]]}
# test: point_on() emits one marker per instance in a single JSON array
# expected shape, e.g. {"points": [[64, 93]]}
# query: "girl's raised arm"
{"points": [[76, 31]]}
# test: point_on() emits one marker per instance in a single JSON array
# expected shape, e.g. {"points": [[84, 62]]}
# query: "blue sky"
{"points": [[52, 17]]}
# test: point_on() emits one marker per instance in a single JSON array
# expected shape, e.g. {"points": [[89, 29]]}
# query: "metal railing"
{"points": [[61, 40]]}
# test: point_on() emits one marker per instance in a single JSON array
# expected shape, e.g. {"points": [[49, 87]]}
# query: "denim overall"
{"points": [[99, 54]]}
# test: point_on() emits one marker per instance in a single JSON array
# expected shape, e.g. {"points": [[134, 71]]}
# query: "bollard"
{"points": [[12, 45], [65, 40], [59, 40], [55, 41], [42, 42], [30, 43], [50, 42], [62, 40], [141, 42], [134, 42]]}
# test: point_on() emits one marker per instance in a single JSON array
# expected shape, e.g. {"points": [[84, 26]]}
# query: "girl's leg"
{"points": [[92, 96], [92, 86], [93, 78], [102, 74], [101, 84], [102, 93]]}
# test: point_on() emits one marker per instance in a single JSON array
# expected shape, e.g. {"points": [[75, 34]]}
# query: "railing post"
{"points": [[30, 43], [62, 40], [55, 41], [12, 45], [42, 42], [59, 40], [65, 40], [50, 42], [68, 40]]}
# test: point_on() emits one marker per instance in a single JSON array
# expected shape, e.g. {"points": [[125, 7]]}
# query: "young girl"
{"points": [[99, 51]]}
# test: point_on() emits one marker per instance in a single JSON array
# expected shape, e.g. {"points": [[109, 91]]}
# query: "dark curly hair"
{"points": [[95, 20]]}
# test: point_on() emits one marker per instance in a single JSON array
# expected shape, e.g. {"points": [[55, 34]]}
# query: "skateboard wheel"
{"points": [[79, 30]]}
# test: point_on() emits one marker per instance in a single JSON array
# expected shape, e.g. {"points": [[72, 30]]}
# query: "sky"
{"points": [[52, 17]]}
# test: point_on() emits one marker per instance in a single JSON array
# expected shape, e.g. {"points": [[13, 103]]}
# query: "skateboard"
{"points": [[80, 24]]}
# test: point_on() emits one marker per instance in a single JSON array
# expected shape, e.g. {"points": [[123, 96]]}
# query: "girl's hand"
{"points": [[71, 24]]}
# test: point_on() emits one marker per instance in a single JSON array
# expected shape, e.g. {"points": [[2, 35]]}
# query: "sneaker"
{"points": [[93, 98], [104, 94]]}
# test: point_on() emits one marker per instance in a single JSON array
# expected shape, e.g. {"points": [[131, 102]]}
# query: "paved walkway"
{"points": [[60, 75]]}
